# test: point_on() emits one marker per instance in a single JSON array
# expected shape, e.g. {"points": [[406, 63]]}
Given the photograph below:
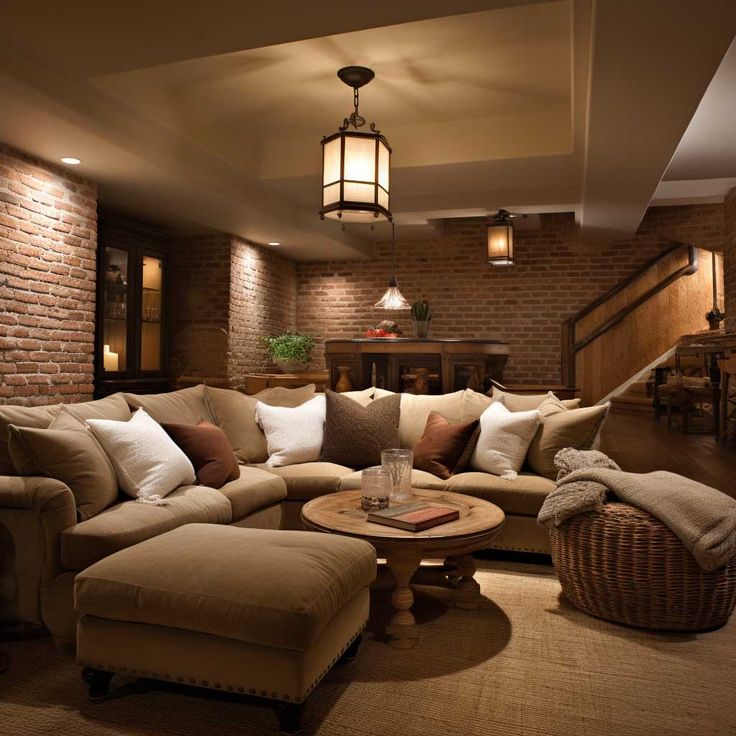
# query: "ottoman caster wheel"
{"points": [[290, 716], [352, 651], [98, 682]]}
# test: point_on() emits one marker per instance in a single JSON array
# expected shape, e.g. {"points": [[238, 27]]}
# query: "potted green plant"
{"points": [[715, 317], [290, 351], [422, 316]]}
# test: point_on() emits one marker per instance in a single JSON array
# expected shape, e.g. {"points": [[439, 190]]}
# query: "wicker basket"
{"points": [[622, 565]]}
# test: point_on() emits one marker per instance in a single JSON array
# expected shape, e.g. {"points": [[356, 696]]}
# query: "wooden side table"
{"points": [[255, 382]]}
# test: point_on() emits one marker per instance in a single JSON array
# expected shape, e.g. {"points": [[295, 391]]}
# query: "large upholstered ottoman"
{"points": [[258, 612]]}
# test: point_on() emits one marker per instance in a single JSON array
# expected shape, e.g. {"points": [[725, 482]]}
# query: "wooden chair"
{"points": [[727, 428], [691, 398]]}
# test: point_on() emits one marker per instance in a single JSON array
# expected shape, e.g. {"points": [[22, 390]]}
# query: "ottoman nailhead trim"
{"points": [[240, 688]]}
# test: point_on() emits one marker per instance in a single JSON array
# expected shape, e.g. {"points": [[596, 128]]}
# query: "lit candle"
{"points": [[109, 359]]}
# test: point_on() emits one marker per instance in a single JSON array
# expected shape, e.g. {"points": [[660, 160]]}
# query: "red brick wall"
{"points": [[262, 302], [729, 260], [524, 305], [199, 277], [48, 241]]}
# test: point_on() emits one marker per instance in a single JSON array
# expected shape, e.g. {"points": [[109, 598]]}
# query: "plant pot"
{"points": [[290, 366], [714, 324], [421, 328]]}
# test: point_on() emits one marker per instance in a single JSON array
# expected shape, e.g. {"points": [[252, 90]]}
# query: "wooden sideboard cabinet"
{"points": [[394, 364]]}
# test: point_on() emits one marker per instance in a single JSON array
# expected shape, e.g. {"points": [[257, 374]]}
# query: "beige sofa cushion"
{"points": [[309, 480], [129, 523], [528, 402], [415, 410], [235, 414], [523, 496], [253, 490], [362, 397], [419, 479], [111, 407], [68, 452], [186, 406], [39, 417], [272, 588], [576, 428]]}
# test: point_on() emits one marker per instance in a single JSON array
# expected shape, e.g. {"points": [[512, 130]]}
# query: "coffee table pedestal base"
{"points": [[402, 627]]}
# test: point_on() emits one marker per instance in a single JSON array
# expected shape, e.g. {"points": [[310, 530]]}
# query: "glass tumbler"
{"points": [[398, 465], [375, 489]]}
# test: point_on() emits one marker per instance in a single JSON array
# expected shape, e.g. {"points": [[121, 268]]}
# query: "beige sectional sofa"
{"points": [[43, 546]]}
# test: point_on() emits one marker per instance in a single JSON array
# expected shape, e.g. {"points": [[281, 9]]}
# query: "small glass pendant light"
{"points": [[393, 298]]}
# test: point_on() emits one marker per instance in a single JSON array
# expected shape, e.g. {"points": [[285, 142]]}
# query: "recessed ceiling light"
{"points": [[273, 242], [71, 160]]}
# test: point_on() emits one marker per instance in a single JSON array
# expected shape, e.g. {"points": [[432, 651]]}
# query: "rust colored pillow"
{"points": [[440, 448], [209, 451]]}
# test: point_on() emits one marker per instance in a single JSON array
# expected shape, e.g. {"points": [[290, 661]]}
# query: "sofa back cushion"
{"points": [[356, 434], [186, 406], [576, 428], [68, 452], [415, 410], [39, 417], [235, 414], [111, 407]]}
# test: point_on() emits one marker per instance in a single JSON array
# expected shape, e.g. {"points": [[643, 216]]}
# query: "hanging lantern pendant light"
{"points": [[500, 236], [355, 164], [393, 298]]}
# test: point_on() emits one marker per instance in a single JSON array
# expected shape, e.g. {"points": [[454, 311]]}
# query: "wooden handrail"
{"points": [[571, 346]]}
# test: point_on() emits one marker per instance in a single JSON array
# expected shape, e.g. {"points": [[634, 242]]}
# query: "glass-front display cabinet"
{"points": [[131, 313]]}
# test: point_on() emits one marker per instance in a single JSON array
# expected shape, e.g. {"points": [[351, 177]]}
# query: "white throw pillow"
{"points": [[504, 439], [293, 435], [148, 463]]}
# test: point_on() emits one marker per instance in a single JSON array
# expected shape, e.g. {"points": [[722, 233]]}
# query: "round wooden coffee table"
{"points": [[479, 522]]}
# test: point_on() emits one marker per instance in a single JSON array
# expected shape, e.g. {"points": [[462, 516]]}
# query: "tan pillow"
{"points": [[570, 403], [21, 416], [186, 406], [416, 408], [474, 404], [362, 397], [235, 414], [68, 452], [576, 428], [111, 407], [550, 406], [520, 402]]}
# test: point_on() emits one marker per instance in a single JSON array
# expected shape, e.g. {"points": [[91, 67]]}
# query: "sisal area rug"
{"points": [[527, 665]]}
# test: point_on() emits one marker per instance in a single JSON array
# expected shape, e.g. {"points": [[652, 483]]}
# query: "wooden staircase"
{"points": [[637, 397]]}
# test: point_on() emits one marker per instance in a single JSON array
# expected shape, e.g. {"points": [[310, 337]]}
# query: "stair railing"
{"points": [[571, 345]]}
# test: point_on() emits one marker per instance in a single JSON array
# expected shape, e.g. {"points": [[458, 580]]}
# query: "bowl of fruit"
{"points": [[387, 329]]}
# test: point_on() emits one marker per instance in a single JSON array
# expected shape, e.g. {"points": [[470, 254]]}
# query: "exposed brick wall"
{"points": [[262, 302], [524, 305], [199, 275], [48, 242], [729, 260]]}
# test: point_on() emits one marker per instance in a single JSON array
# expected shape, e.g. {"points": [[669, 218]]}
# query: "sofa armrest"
{"points": [[33, 513]]}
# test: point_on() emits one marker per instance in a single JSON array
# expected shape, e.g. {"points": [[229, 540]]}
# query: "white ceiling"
{"points": [[212, 118]]}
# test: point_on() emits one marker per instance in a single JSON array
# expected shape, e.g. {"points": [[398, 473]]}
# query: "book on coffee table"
{"points": [[414, 517]]}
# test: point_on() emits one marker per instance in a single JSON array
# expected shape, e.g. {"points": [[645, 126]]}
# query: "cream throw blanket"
{"points": [[703, 518]]}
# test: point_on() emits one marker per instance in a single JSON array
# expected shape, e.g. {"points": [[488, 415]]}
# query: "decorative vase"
{"points": [[343, 382], [421, 328]]}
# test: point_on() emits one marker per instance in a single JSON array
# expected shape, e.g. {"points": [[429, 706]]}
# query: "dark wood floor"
{"points": [[639, 443]]}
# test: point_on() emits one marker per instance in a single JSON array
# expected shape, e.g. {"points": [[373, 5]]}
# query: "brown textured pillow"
{"points": [[209, 451], [355, 434], [441, 446]]}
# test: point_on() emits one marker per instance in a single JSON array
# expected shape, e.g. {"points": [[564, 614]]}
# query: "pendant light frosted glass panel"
{"points": [[355, 177], [501, 244]]}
